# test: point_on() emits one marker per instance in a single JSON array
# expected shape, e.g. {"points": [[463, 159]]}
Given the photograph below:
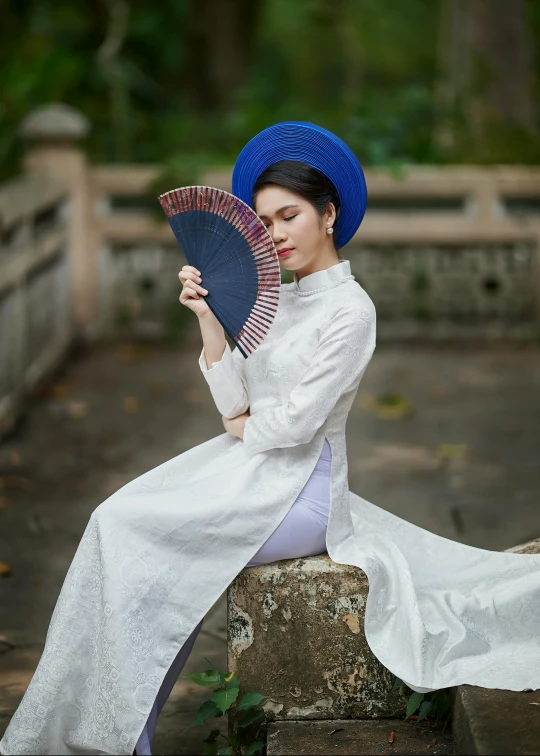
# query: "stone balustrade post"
{"points": [[53, 133]]}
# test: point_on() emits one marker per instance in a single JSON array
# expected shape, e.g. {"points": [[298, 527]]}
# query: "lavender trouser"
{"points": [[302, 532]]}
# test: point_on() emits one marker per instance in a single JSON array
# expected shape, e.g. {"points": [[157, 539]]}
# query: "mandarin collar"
{"points": [[323, 279]]}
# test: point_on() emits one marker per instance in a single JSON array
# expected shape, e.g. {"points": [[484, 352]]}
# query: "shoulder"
{"points": [[349, 319], [351, 302]]}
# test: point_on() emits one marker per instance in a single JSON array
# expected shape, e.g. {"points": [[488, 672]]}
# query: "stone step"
{"points": [[355, 737], [491, 721]]}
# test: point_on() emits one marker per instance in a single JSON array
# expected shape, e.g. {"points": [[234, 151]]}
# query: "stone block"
{"points": [[295, 634], [494, 721], [354, 737]]}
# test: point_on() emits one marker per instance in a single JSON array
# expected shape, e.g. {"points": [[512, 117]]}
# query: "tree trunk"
{"points": [[486, 77], [220, 39]]}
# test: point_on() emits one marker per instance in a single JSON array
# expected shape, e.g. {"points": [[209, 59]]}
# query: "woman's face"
{"points": [[293, 223]]}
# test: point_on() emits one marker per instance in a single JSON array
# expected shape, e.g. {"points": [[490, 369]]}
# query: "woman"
{"points": [[157, 554]]}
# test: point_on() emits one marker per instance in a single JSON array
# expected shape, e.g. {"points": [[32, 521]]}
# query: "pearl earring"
{"points": [[329, 230]]}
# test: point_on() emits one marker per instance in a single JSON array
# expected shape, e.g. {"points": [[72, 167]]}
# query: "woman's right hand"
{"points": [[193, 294]]}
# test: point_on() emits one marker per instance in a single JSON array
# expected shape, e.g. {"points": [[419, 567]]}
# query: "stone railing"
{"points": [[35, 320], [446, 252], [449, 251], [443, 252]]}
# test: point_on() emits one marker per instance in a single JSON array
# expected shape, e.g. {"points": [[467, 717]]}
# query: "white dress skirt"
{"points": [[302, 533]]}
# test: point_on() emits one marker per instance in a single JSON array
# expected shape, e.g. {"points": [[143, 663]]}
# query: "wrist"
{"points": [[209, 317]]}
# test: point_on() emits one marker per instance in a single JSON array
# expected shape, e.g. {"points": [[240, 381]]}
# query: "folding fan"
{"points": [[228, 243]]}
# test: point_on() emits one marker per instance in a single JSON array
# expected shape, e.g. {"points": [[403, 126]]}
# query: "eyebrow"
{"points": [[281, 209]]}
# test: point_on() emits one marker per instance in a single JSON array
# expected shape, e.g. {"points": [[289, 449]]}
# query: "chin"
{"points": [[286, 264]]}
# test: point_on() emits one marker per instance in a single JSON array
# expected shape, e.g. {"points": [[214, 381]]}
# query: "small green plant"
{"points": [[243, 712], [436, 703]]}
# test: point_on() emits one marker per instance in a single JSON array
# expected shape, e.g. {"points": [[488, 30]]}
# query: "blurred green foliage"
{"points": [[156, 89]]}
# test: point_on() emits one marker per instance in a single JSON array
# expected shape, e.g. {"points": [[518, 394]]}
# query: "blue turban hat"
{"points": [[319, 148]]}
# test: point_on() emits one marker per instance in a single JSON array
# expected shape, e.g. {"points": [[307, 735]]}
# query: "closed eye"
{"points": [[287, 219]]}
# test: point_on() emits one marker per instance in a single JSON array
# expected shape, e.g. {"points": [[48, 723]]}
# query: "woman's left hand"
{"points": [[235, 425]]}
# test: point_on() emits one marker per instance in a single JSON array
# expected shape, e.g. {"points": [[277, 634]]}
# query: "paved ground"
{"points": [[463, 463]]}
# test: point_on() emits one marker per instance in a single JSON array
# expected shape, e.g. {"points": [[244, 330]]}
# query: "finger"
{"points": [[188, 294], [192, 285], [188, 276], [190, 270]]}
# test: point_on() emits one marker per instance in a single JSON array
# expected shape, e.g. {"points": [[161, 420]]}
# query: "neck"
{"points": [[324, 260]]}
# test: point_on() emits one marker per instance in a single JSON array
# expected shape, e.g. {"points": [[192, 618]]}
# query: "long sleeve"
{"points": [[344, 350], [226, 379]]}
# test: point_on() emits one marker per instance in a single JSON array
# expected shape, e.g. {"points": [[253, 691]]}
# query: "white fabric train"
{"points": [[157, 554]]}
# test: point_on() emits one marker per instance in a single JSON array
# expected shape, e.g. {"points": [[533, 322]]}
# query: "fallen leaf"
{"points": [[432, 743], [58, 391], [439, 393], [131, 352], [452, 451], [391, 737], [339, 729], [534, 703], [77, 409], [353, 622], [130, 405], [15, 459], [5, 570], [16, 481], [389, 406], [157, 387]]}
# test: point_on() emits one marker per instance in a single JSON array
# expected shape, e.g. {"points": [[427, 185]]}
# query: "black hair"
{"points": [[301, 179]]}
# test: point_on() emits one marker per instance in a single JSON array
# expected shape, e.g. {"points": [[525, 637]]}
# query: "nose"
{"points": [[278, 233]]}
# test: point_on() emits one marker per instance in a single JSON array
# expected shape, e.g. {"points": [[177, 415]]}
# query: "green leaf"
{"points": [[250, 699], [234, 682], [425, 708], [443, 705], [214, 735], [255, 746], [397, 684], [415, 699], [206, 710], [225, 751], [224, 698], [249, 716], [207, 678]]}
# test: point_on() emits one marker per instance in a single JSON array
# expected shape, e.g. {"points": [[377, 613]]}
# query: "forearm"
{"points": [[222, 369], [213, 336]]}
